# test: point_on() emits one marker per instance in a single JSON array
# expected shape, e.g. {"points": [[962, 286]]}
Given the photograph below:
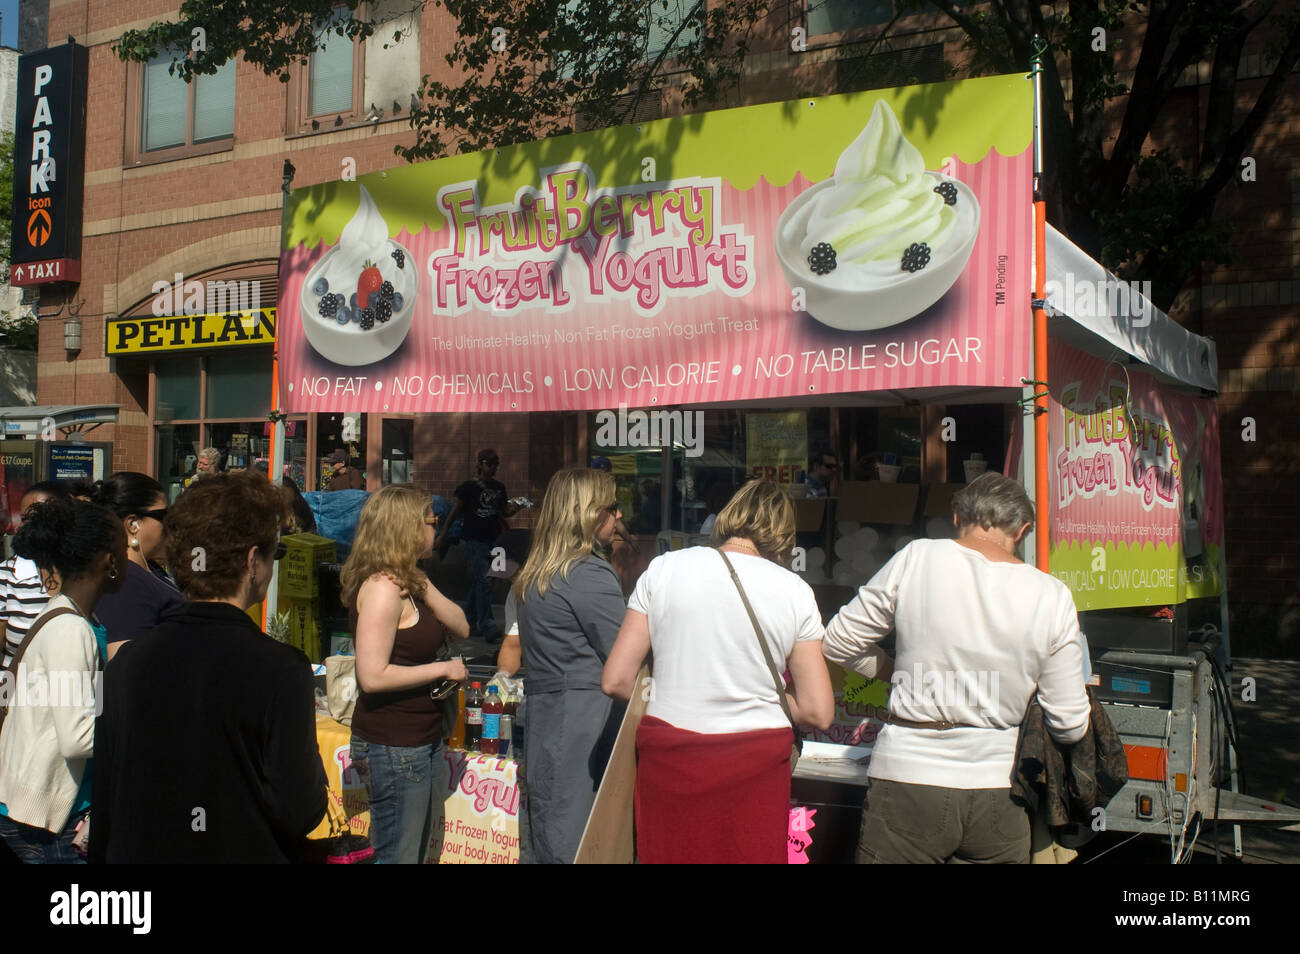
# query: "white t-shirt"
{"points": [[709, 673], [974, 639]]}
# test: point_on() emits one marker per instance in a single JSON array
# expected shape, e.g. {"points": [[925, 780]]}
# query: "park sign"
{"points": [[49, 157], [861, 242]]}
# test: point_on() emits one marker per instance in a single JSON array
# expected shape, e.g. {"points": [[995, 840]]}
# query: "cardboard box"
{"points": [[304, 552], [808, 514], [938, 499], [304, 625], [874, 501]]}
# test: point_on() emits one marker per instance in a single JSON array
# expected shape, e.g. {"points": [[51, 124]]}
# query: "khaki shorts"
{"points": [[925, 824]]}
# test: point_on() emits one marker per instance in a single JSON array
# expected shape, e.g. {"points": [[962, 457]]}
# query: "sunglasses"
{"points": [[158, 514], [830, 465], [491, 463]]}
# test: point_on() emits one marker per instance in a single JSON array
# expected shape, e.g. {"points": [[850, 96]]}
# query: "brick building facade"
{"points": [[213, 209]]}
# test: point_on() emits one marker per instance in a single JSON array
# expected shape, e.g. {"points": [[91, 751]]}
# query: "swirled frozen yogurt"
{"points": [[358, 300], [881, 240]]}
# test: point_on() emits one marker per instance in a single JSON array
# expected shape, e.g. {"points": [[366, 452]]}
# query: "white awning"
{"points": [[31, 423], [1096, 312]]}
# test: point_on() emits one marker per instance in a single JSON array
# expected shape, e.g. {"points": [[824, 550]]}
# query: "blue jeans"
{"points": [[404, 785], [36, 846], [478, 605]]}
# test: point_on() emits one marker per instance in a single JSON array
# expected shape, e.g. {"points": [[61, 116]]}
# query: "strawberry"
{"points": [[370, 281]]}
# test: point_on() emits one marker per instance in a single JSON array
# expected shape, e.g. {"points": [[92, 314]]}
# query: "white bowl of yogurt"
{"points": [[363, 244], [876, 212]]}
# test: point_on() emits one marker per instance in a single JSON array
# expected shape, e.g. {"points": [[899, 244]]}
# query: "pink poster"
{"points": [[853, 243], [1135, 485]]}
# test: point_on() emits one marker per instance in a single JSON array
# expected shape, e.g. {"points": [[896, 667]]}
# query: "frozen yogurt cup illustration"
{"points": [[358, 300], [882, 239]]}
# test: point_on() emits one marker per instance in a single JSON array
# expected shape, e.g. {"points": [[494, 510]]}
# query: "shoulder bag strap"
{"points": [[27, 641], [762, 644]]}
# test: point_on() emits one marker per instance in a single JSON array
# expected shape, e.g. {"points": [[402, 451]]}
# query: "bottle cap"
{"points": [[476, 685], [492, 689]]}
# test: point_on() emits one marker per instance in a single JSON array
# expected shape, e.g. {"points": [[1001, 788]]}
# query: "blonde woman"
{"points": [[399, 622], [713, 751], [570, 607]]}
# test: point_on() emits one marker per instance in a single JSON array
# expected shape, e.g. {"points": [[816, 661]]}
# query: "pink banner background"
{"points": [[540, 377]]}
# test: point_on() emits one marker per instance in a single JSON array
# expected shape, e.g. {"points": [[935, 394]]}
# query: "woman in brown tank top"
{"points": [[399, 621]]}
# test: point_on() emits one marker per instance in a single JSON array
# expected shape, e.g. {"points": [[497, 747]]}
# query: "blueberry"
{"points": [[352, 302], [397, 301], [344, 315], [321, 286]]}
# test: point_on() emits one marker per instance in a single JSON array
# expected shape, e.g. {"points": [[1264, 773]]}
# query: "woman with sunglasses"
{"points": [[148, 593], [399, 623], [570, 609], [206, 751]]}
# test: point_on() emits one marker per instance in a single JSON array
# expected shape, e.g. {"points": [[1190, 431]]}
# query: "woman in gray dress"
{"points": [[570, 609]]}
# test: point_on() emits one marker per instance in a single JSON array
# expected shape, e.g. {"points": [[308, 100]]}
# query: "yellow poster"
{"points": [[776, 445], [480, 824]]}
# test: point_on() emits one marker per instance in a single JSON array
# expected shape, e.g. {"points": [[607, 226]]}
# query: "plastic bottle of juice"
{"points": [[492, 709], [456, 740], [473, 717]]}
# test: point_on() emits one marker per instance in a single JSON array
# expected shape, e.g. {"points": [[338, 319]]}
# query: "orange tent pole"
{"points": [[1042, 540]]}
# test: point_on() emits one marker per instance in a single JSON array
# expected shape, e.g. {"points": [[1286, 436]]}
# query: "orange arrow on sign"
{"points": [[39, 227]]}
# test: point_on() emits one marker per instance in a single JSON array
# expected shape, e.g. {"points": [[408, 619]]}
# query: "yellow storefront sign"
{"points": [[146, 334]]}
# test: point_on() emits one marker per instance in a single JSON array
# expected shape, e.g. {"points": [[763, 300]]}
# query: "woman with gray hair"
{"points": [[979, 632], [207, 464]]}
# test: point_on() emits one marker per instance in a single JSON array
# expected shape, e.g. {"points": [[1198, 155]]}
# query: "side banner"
{"points": [[1136, 486], [861, 242]]}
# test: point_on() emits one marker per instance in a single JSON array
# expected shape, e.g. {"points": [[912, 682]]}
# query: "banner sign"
{"points": [[1135, 485], [861, 242], [480, 823], [49, 154], [147, 334]]}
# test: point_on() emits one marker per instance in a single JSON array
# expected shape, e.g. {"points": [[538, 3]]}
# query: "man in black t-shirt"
{"points": [[483, 504]]}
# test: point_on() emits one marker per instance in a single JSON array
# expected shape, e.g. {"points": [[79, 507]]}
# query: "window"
{"points": [[176, 118], [836, 16], [665, 17], [920, 64], [348, 82], [332, 71]]}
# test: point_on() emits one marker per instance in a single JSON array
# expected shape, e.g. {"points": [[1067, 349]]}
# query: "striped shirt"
{"points": [[22, 597]]}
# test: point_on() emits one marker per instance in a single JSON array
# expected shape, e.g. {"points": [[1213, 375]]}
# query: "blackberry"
{"points": [[916, 257], [948, 191], [399, 257], [397, 301], [386, 291], [822, 259], [383, 310], [367, 319], [321, 286], [329, 305]]}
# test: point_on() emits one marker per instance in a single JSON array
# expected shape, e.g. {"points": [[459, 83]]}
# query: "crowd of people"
{"points": [[198, 743]]}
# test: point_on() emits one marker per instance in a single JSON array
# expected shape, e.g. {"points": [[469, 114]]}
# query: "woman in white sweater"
{"points": [[978, 633], [47, 736]]}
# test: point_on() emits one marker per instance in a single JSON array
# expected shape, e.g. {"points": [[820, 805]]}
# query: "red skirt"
{"points": [[711, 799]]}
